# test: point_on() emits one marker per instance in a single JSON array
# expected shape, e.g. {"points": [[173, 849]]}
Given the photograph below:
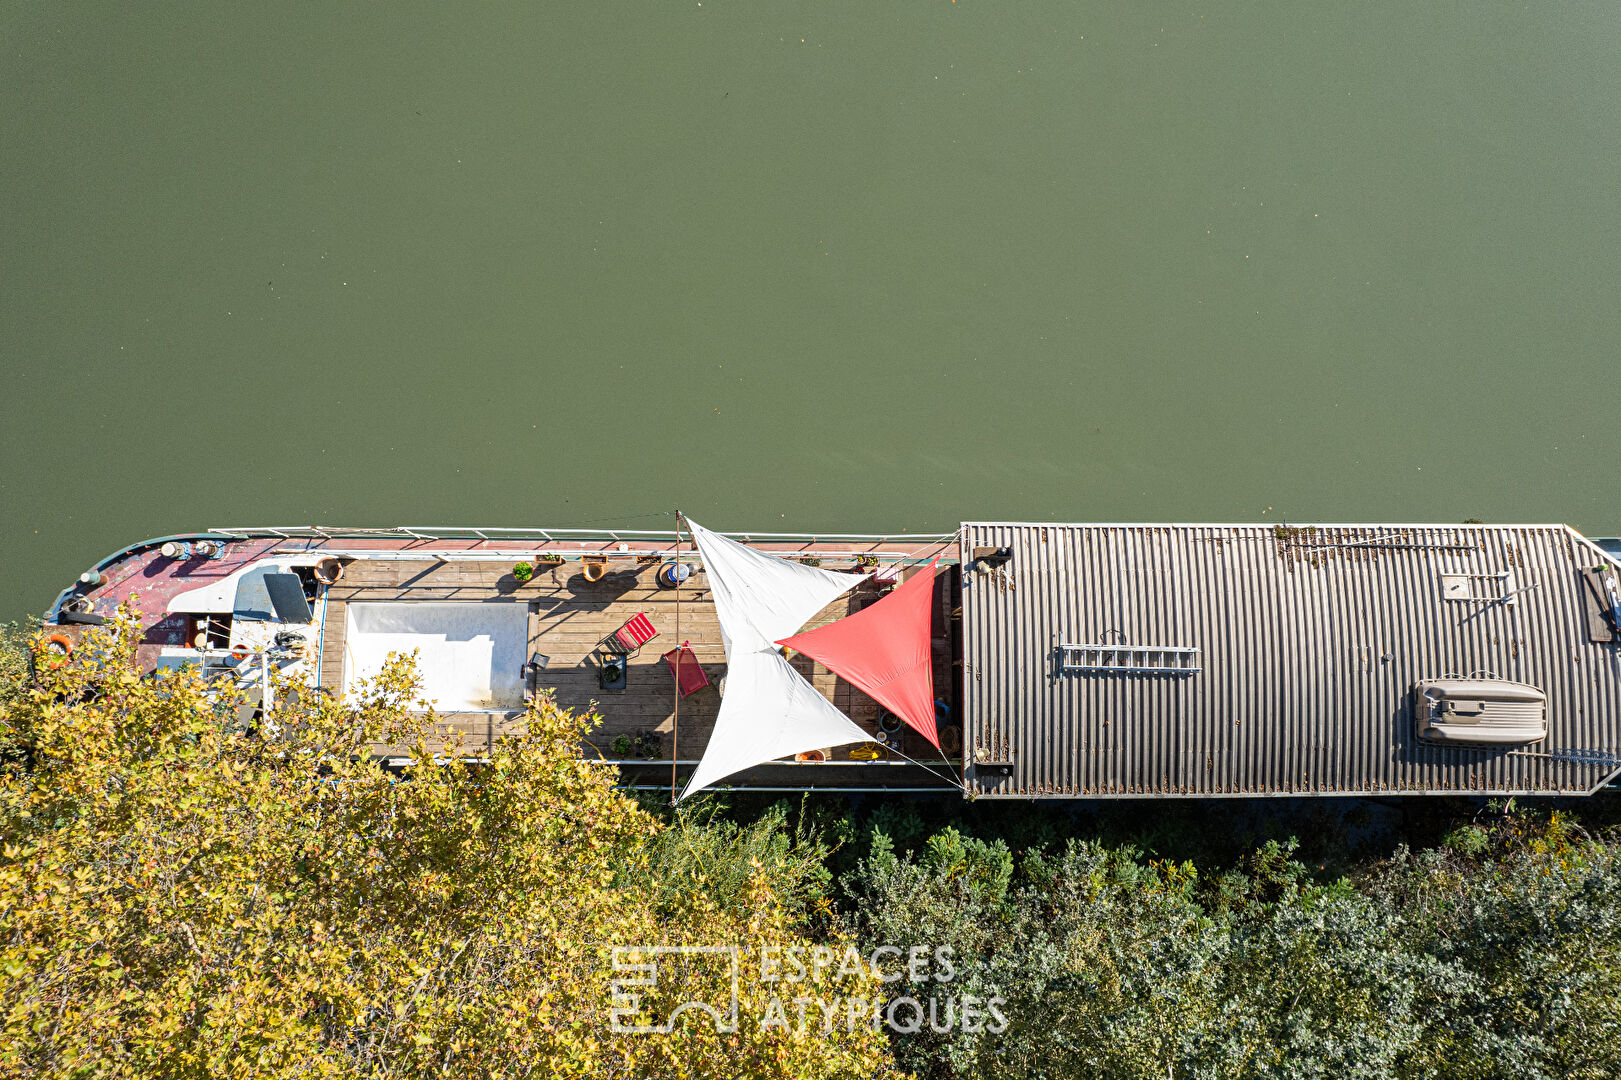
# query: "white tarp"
{"points": [[469, 656], [242, 591], [769, 710]]}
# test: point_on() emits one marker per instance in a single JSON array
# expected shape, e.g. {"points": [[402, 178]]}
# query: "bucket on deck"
{"points": [[596, 569], [672, 574], [328, 571]]}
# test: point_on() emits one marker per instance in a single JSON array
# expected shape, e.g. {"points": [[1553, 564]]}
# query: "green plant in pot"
{"points": [[523, 572], [622, 746]]}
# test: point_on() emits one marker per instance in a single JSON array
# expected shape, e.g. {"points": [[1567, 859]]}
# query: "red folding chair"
{"points": [[686, 671], [629, 639]]}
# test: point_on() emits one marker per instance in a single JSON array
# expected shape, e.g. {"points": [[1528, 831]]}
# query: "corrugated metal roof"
{"points": [[1310, 641]]}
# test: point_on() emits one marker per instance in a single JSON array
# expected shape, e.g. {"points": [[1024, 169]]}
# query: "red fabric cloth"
{"points": [[692, 676], [884, 650]]}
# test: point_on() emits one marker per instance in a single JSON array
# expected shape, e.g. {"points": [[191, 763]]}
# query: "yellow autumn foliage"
{"points": [[181, 897]]}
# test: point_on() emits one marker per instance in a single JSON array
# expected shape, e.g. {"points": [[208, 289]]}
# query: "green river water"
{"points": [[826, 266]]}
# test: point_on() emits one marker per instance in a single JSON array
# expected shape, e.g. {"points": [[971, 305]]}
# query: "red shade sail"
{"points": [[884, 650]]}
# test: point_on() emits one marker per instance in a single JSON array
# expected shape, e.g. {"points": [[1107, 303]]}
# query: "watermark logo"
{"points": [[636, 971], [787, 975]]}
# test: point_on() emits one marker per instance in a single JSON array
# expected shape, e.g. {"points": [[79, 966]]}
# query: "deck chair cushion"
{"points": [[693, 677], [636, 633]]}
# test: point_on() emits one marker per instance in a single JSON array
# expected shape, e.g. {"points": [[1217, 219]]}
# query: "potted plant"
{"points": [[622, 746], [866, 561], [549, 558], [523, 572]]}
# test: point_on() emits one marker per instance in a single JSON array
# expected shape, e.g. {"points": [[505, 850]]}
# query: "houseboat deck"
{"points": [[569, 618], [190, 601]]}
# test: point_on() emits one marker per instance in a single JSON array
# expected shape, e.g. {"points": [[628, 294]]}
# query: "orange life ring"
{"points": [[61, 645]]}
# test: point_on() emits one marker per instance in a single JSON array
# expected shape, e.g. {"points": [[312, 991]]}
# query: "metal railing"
{"points": [[489, 533], [664, 539], [429, 534]]}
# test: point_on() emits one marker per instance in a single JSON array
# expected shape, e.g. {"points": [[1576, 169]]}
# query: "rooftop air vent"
{"points": [[1490, 712]]}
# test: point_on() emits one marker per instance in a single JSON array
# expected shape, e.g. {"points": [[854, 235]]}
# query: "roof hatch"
{"points": [[1491, 712]]}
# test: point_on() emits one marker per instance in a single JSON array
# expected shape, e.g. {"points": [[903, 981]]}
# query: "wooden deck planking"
{"points": [[479, 730], [569, 617], [334, 632]]}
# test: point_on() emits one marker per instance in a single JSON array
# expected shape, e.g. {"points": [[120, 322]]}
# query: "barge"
{"points": [[1076, 661]]}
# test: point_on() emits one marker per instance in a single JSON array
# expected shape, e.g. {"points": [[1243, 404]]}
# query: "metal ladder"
{"points": [[1130, 659]]}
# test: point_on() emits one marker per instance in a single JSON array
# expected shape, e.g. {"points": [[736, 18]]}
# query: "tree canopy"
{"points": [[182, 895]]}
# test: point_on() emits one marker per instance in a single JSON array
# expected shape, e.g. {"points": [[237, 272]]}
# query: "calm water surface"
{"points": [[832, 266]]}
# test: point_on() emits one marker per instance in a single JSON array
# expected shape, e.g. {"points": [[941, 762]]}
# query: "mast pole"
{"points": [[675, 732]]}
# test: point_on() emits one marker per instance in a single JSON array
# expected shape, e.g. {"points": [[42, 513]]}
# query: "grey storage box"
{"points": [[1492, 712]]}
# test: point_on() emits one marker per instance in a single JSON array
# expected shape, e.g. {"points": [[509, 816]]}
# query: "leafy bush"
{"points": [[181, 897], [1497, 957], [15, 660], [703, 854]]}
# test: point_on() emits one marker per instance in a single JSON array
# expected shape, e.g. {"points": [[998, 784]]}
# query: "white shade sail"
{"points": [[769, 710], [760, 598]]}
